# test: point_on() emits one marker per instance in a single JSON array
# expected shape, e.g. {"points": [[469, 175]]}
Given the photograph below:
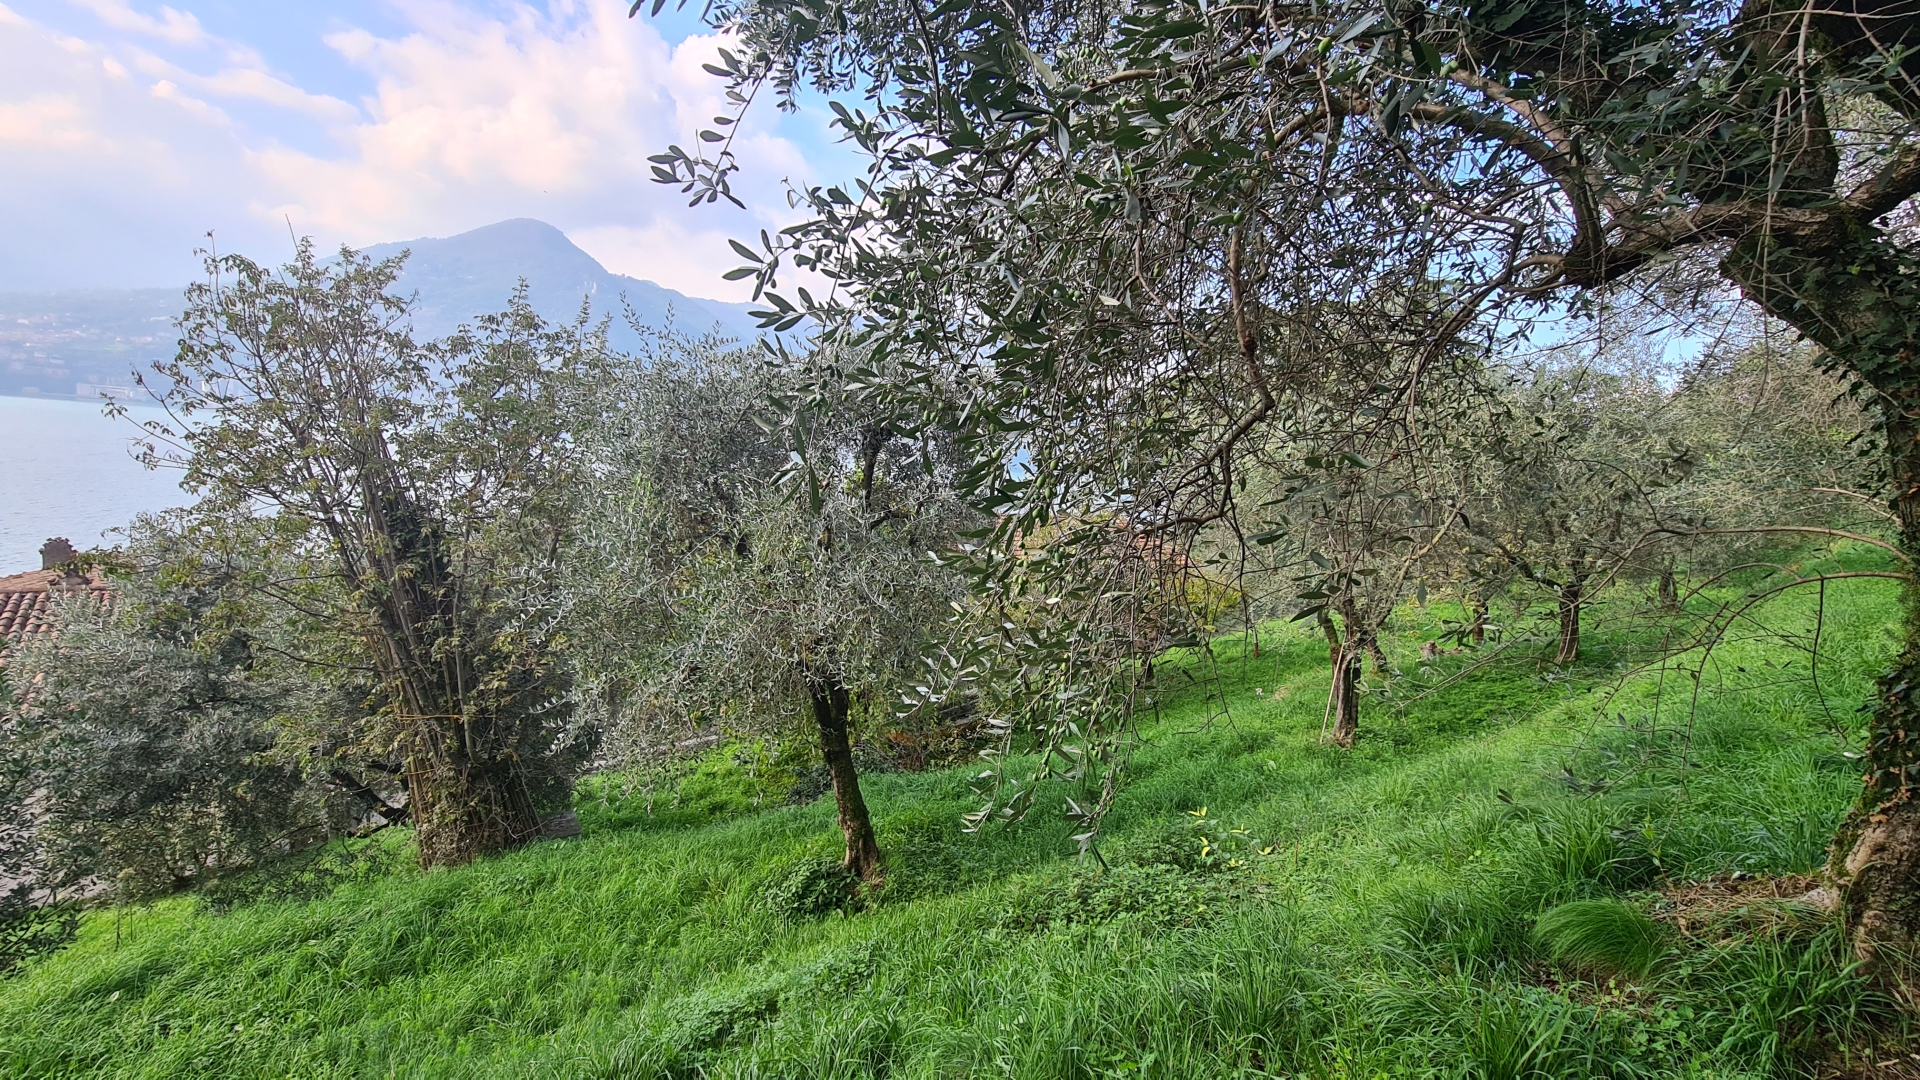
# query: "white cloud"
{"points": [[113, 177], [44, 120], [541, 113], [247, 81], [169, 91], [175, 27], [665, 251], [472, 116]]}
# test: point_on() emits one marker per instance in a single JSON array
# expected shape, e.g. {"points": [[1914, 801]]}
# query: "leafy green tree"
{"points": [[410, 502], [1569, 499], [1064, 625], [674, 457], [1368, 529], [1349, 525], [1780, 442]]}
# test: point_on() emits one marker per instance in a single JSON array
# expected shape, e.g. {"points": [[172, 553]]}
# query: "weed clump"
{"points": [[1580, 848], [1153, 897], [814, 888], [1467, 926], [690, 1034], [1608, 936], [1171, 846]]}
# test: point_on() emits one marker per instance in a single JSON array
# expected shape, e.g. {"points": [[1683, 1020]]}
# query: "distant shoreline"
{"points": [[147, 403]]}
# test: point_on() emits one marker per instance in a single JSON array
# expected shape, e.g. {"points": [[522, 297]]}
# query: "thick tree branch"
{"points": [[1575, 182], [1891, 186], [368, 797]]}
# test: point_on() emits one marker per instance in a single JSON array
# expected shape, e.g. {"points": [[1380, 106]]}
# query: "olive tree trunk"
{"points": [[1572, 597], [1370, 644], [1842, 284], [831, 704], [1880, 873], [1343, 696]]}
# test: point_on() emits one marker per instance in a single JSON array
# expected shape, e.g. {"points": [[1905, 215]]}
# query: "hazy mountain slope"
{"points": [[458, 277], [51, 342]]}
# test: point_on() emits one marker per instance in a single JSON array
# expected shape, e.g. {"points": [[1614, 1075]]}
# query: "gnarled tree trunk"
{"points": [[1332, 633], [1839, 282], [1880, 874], [1343, 698], [830, 708], [1370, 644], [1572, 597], [467, 790]]}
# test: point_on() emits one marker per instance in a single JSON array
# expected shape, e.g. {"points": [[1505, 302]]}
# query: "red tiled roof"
{"points": [[26, 601]]}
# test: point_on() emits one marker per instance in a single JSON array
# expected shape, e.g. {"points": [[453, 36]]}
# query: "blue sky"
{"points": [[131, 129]]}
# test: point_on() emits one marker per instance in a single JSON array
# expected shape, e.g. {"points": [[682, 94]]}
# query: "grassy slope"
{"points": [[1388, 933]]}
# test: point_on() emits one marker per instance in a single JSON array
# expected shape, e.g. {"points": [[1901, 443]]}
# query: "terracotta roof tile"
{"points": [[26, 601]]}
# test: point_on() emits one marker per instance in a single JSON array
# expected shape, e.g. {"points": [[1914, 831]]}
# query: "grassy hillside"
{"points": [[1376, 919]]}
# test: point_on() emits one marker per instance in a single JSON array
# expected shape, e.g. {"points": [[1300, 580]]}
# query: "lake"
{"points": [[66, 470]]}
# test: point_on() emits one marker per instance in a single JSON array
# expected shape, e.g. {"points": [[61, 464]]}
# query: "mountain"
{"points": [[66, 343], [462, 276]]}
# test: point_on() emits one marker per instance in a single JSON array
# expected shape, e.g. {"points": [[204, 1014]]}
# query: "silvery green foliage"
{"points": [[1109, 243], [34, 918], [719, 576], [672, 458], [145, 734], [1780, 440], [1570, 494]]}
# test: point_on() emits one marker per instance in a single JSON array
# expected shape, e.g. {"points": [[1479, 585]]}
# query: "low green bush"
{"points": [[814, 888]]}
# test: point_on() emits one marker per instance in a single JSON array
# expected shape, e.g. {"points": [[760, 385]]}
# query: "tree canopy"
{"points": [[1105, 242]]}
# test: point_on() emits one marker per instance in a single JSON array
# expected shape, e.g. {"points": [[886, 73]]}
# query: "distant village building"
{"points": [[27, 600], [90, 391]]}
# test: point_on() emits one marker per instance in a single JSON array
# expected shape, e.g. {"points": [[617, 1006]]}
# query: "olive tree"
{"points": [[1568, 499], [758, 594], [1362, 530], [1780, 442], [145, 731]]}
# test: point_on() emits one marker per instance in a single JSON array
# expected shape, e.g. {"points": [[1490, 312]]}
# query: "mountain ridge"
{"points": [[462, 276], [72, 342]]}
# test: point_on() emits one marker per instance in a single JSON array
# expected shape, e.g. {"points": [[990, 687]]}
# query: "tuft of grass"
{"points": [[813, 888], [1793, 994], [1609, 936]]}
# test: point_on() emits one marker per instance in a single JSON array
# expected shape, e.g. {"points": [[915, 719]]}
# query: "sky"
{"points": [[129, 130]]}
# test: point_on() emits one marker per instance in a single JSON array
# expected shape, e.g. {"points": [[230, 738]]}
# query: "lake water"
{"points": [[66, 470]]}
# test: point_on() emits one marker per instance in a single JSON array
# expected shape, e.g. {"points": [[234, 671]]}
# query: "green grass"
{"points": [[1394, 929], [1610, 936]]}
